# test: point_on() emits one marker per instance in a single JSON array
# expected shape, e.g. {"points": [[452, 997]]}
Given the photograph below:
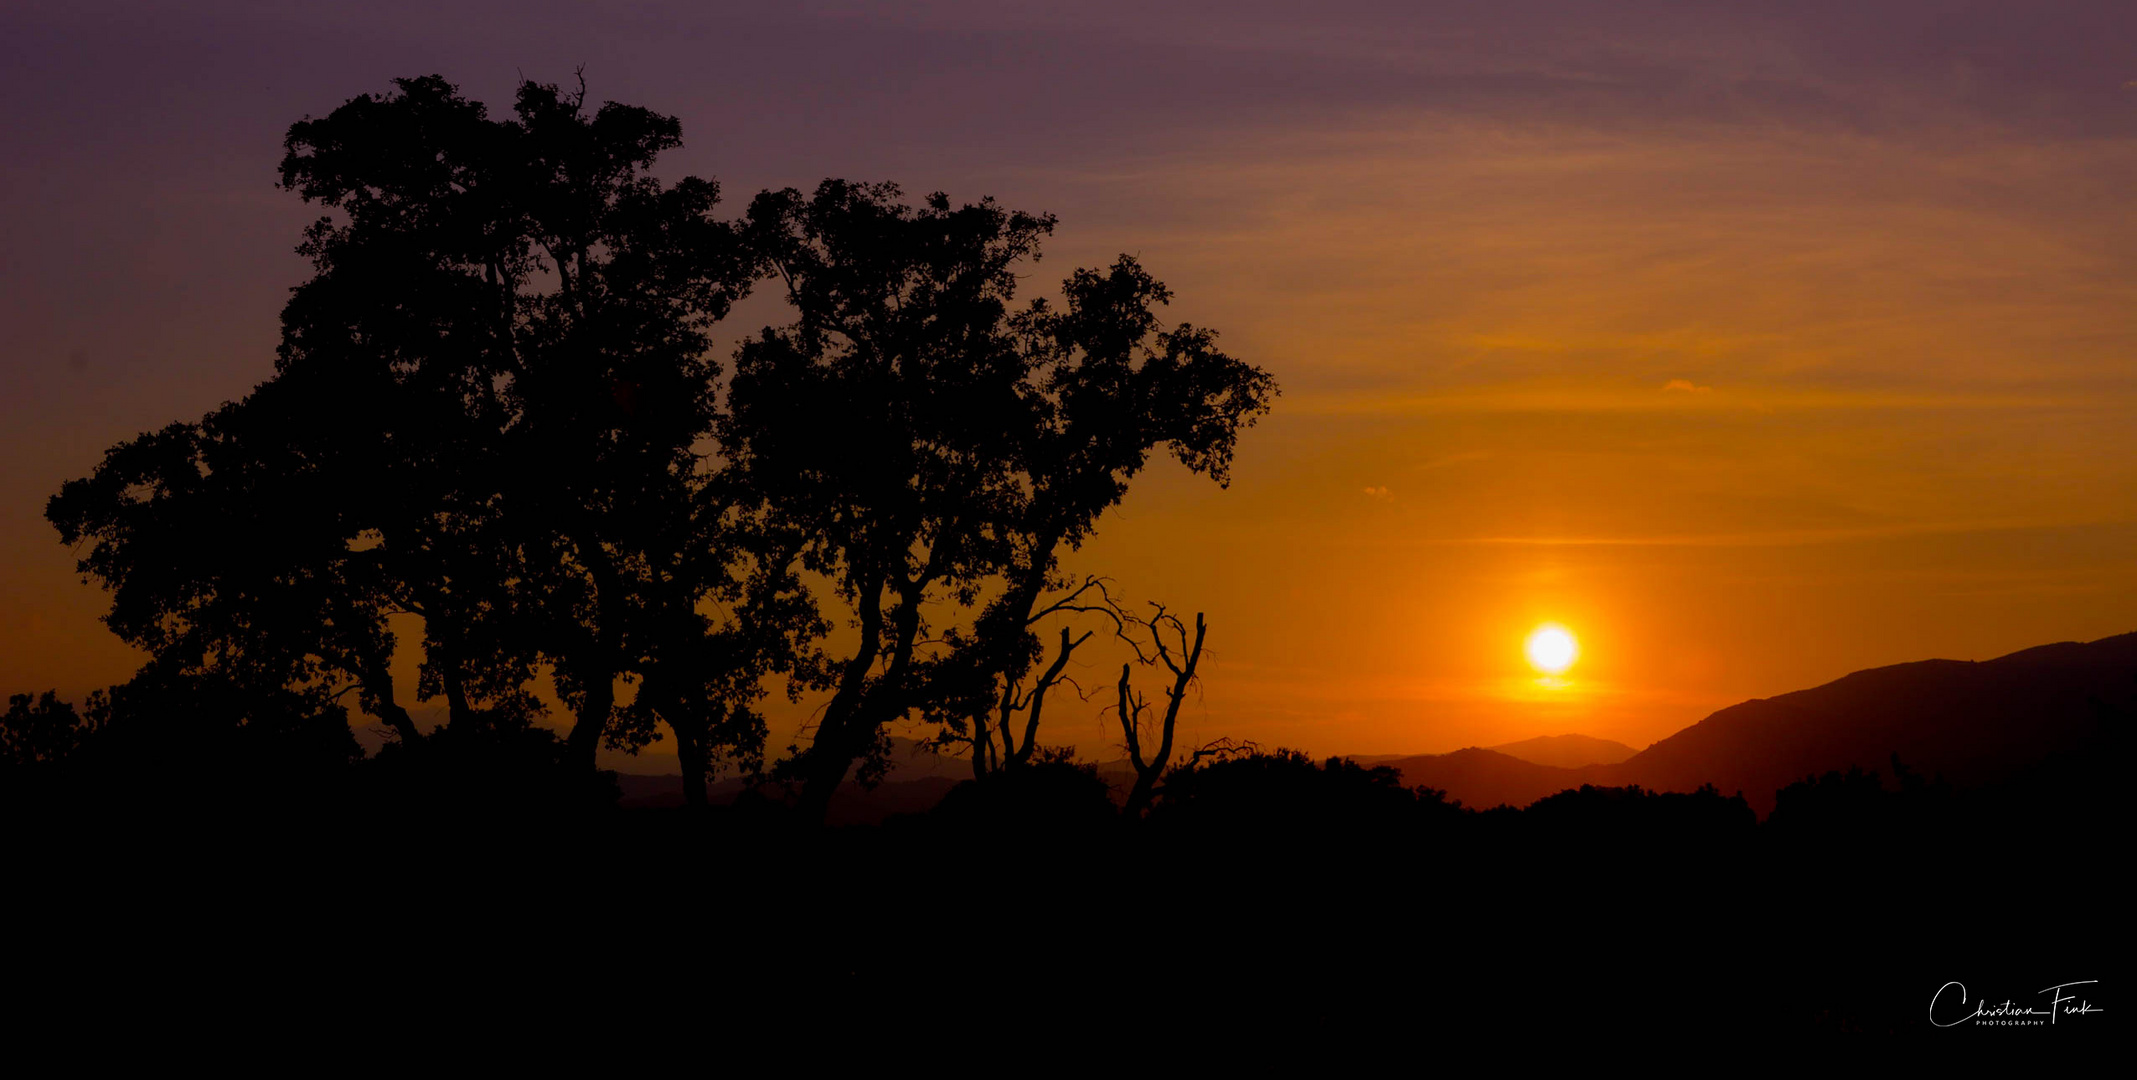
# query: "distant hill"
{"points": [[1976, 723], [1485, 778], [1566, 751]]}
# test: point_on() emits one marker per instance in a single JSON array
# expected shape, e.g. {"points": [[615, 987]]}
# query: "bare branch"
{"points": [[1069, 602], [1148, 772]]}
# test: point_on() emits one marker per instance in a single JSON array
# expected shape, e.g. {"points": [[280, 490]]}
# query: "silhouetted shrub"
{"points": [[1859, 810], [497, 771], [41, 731], [167, 741], [1285, 791], [1616, 816], [1041, 796]]}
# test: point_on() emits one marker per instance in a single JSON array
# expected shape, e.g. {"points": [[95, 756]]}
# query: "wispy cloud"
{"points": [[1679, 398], [1780, 537]]}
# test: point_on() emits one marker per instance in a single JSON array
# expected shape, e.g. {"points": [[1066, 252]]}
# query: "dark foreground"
{"points": [[1294, 903]]}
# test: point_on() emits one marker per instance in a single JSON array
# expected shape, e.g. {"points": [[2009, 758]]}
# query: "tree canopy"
{"points": [[496, 417]]}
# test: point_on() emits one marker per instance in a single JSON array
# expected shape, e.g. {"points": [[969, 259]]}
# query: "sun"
{"points": [[1551, 649]]}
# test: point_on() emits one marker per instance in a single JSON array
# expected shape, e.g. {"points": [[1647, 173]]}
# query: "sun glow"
{"points": [[1551, 649]]}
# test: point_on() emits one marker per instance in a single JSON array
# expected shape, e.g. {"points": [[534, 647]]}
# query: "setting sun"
{"points": [[1551, 649]]}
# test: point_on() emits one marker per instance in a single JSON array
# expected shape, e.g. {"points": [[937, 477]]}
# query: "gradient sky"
{"points": [[1756, 343]]}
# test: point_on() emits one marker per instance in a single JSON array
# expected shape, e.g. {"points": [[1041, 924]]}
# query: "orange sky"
{"points": [[1779, 364]]}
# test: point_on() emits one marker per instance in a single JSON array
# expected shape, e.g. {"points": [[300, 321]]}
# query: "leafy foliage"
{"points": [[936, 448]]}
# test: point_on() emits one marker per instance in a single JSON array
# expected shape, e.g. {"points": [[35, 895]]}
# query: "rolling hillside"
{"points": [[1976, 723]]}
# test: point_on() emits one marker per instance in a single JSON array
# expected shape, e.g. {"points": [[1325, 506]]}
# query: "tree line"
{"points": [[496, 409]]}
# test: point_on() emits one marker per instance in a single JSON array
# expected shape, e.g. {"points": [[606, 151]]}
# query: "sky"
{"points": [[1753, 343]]}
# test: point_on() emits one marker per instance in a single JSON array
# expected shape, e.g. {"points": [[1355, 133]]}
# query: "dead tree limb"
{"points": [[1181, 658]]}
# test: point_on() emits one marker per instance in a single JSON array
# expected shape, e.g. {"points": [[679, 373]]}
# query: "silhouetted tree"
{"points": [[936, 450], [1158, 639], [993, 741], [488, 410], [1011, 752]]}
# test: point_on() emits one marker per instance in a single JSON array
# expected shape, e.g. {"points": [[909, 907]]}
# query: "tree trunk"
{"points": [[829, 759], [379, 684], [459, 715], [585, 738], [825, 765], [691, 753]]}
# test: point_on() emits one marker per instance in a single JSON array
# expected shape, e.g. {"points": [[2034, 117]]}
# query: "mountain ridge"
{"points": [[1972, 722], [1570, 751]]}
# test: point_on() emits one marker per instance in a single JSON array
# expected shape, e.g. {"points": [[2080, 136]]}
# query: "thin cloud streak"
{"points": [[1523, 400], [1785, 538]]}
